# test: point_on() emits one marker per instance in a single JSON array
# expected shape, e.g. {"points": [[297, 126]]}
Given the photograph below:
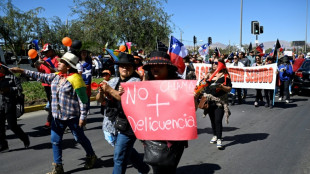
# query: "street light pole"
{"points": [[241, 24], [306, 27]]}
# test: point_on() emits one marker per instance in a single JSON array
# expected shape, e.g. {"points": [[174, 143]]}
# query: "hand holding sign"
{"points": [[161, 110]]}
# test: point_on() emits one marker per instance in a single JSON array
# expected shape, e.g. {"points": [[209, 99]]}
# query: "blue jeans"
{"points": [[57, 131], [124, 151]]}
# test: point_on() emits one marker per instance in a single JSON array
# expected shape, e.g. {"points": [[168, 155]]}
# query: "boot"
{"points": [[90, 161], [58, 169]]}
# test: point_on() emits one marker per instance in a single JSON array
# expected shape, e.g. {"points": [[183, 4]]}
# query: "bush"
{"points": [[35, 93]]}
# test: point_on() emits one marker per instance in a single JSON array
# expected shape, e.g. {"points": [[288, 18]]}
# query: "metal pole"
{"points": [[306, 27], [241, 24]]}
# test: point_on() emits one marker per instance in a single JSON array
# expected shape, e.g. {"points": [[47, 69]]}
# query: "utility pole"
{"points": [[306, 28], [241, 24]]}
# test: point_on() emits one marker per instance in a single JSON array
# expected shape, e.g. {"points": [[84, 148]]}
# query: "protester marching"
{"points": [[212, 84]]}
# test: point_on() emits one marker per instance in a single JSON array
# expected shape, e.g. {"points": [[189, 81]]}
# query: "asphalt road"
{"points": [[257, 141]]}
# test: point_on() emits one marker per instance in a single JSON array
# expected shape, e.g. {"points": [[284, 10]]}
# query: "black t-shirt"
{"points": [[218, 93]]}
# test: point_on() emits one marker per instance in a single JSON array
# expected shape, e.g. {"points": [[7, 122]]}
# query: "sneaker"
{"points": [[213, 140], [57, 169], [256, 104], [287, 101], [4, 148], [90, 161], [280, 98], [219, 144]]}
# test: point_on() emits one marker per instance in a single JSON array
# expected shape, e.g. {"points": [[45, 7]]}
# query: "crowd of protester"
{"points": [[63, 92]]}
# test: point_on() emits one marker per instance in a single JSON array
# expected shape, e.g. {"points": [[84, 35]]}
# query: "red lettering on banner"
{"points": [[197, 72], [261, 73], [235, 75], [255, 72], [248, 76], [265, 75], [270, 75], [202, 72]]}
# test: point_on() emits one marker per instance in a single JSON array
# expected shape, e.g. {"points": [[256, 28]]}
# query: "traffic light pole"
{"points": [[256, 43]]}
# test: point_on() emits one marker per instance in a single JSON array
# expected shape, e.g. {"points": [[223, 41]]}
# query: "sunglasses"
{"points": [[216, 63]]}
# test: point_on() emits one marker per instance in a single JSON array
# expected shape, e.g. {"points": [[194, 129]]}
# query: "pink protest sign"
{"points": [[161, 110]]}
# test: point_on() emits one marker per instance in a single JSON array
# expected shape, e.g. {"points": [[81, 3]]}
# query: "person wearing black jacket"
{"points": [[112, 91], [10, 86], [160, 68]]}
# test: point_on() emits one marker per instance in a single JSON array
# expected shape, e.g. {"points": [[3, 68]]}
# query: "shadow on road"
{"points": [[244, 138], [205, 168], [208, 130], [66, 144], [284, 105], [99, 164], [94, 119]]}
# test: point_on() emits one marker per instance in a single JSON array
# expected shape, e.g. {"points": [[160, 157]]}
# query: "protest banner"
{"points": [[161, 110], [259, 77]]}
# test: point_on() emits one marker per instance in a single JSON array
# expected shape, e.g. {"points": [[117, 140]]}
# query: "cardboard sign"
{"points": [[161, 110], [258, 77]]}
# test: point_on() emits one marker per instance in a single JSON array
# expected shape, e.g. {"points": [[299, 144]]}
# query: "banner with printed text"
{"points": [[259, 77], [161, 110]]}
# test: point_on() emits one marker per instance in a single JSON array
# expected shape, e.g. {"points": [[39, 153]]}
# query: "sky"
{"points": [[219, 19]]}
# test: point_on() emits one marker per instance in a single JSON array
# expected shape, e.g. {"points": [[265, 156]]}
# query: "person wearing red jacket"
{"points": [[47, 65], [298, 62]]}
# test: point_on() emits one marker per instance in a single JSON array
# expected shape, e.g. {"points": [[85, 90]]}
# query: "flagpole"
{"points": [[274, 91], [169, 44]]}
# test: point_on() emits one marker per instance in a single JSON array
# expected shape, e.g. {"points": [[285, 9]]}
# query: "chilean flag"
{"points": [[177, 52], [203, 50], [260, 48]]}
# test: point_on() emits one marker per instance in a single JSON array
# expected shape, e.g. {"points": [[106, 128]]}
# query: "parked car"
{"points": [[301, 81]]}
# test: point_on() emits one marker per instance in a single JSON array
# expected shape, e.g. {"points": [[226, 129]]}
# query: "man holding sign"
{"points": [[162, 110]]}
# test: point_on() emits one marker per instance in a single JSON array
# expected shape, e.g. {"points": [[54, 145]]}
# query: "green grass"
{"points": [[34, 91]]}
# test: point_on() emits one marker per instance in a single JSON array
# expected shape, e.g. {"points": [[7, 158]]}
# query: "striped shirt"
{"points": [[66, 104]]}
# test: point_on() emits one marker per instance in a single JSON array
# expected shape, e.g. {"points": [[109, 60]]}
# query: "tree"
{"points": [[17, 27], [121, 21]]}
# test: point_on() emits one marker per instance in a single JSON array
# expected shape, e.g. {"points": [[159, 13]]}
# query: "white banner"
{"points": [[259, 77]]}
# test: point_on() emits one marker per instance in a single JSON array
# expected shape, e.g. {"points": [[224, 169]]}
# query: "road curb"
{"points": [[41, 107]]}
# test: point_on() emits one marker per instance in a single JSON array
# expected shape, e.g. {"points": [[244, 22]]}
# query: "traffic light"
{"points": [[195, 40], [209, 40], [261, 29], [255, 27]]}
